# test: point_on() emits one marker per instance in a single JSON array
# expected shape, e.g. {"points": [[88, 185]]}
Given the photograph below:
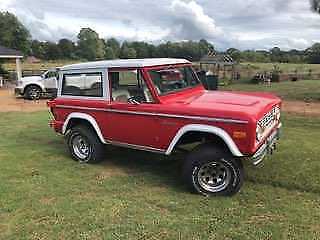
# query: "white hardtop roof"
{"points": [[125, 63]]}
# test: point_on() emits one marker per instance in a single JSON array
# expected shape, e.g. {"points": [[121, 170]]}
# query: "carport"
{"points": [[217, 62], [7, 53]]}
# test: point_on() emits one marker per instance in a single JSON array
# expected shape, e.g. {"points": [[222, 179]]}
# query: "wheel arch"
{"points": [[33, 84], [76, 118], [216, 132]]}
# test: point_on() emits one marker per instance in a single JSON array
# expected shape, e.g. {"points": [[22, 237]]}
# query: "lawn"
{"points": [[283, 67], [306, 90], [137, 195]]}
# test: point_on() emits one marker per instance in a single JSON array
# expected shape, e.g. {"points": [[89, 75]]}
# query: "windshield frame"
{"points": [[177, 66]]}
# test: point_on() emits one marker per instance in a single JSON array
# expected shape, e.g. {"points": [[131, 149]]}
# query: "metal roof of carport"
{"points": [[9, 53], [125, 63]]}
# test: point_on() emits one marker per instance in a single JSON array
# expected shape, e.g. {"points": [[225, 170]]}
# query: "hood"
{"points": [[31, 79], [243, 105]]}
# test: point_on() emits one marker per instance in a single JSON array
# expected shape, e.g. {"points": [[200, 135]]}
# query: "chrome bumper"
{"points": [[268, 147]]}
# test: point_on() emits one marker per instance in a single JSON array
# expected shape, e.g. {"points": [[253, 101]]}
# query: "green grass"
{"points": [[284, 67], [137, 195], [301, 90]]}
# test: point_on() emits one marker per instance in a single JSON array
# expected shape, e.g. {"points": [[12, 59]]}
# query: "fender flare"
{"points": [[207, 129], [89, 119]]}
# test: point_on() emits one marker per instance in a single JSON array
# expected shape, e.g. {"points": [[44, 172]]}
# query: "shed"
{"points": [[7, 53], [218, 62]]}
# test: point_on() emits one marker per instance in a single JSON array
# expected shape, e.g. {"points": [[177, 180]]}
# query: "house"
{"points": [[7, 53]]}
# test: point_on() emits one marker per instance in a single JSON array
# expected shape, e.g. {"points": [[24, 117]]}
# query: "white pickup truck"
{"points": [[34, 87]]}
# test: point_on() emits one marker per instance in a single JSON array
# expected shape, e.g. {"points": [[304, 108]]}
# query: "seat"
{"points": [[120, 95]]}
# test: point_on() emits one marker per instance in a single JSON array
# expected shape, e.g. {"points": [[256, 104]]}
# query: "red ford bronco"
{"points": [[158, 105]]}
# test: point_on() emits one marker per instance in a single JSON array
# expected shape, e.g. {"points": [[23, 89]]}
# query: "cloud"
{"points": [[250, 24], [191, 23], [315, 5], [4, 4]]}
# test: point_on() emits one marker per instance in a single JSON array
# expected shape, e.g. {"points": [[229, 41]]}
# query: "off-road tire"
{"points": [[208, 165], [95, 147], [33, 92]]}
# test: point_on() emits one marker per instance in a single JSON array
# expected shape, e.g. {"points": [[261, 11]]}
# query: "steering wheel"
{"points": [[133, 100]]}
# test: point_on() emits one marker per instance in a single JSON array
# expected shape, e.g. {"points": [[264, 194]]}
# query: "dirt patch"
{"points": [[305, 108], [10, 103]]}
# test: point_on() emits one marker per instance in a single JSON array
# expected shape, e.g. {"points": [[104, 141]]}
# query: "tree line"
{"points": [[89, 46]]}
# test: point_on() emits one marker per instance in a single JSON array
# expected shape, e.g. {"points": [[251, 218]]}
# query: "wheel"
{"points": [[211, 171], [33, 93], [84, 145]]}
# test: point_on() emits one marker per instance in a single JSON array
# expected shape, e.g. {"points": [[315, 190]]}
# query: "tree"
{"points": [[114, 45], [67, 48], [37, 49], [313, 53], [315, 5], [276, 54], [205, 47], [90, 46], [13, 34], [234, 53], [127, 51], [141, 48], [52, 51], [109, 53]]}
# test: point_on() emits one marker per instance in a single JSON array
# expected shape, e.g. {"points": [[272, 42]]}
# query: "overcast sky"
{"points": [[241, 24]]}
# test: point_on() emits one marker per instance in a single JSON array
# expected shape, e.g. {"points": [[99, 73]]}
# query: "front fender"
{"points": [[206, 129]]}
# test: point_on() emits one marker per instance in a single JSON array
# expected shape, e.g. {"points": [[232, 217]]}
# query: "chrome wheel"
{"points": [[34, 93], [81, 147], [214, 176]]}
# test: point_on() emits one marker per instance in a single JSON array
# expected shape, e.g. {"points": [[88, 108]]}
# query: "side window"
{"points": [[129, 87], [52, 74], [82, 84]]}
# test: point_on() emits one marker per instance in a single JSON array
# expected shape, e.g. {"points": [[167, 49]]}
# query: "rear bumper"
{"points": [[268, 147]]}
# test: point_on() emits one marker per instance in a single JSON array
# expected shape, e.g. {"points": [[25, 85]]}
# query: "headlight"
{"points": [[259, 133]]}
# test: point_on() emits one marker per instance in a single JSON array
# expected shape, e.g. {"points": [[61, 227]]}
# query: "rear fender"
{"points": [[86, 117]]}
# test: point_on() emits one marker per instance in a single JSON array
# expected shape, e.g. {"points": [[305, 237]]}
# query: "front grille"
{"points": [[269, 119]]}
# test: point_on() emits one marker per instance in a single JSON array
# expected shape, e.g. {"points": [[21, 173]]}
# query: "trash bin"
{"points": [[208, 80], [212, 82], [202, 77]]}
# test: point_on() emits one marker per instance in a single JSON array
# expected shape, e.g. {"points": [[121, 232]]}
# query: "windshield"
{"points": [[173, 79]]}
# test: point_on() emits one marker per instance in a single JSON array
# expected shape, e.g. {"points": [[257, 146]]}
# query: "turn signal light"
{"points": [[239, 135]]}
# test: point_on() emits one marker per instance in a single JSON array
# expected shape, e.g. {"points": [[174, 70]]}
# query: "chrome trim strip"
{"points": [[137, 147], [224, 120], [81, 108]]}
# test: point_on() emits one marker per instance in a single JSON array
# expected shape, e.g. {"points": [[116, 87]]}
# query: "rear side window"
{"points": [[82, 84]]}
